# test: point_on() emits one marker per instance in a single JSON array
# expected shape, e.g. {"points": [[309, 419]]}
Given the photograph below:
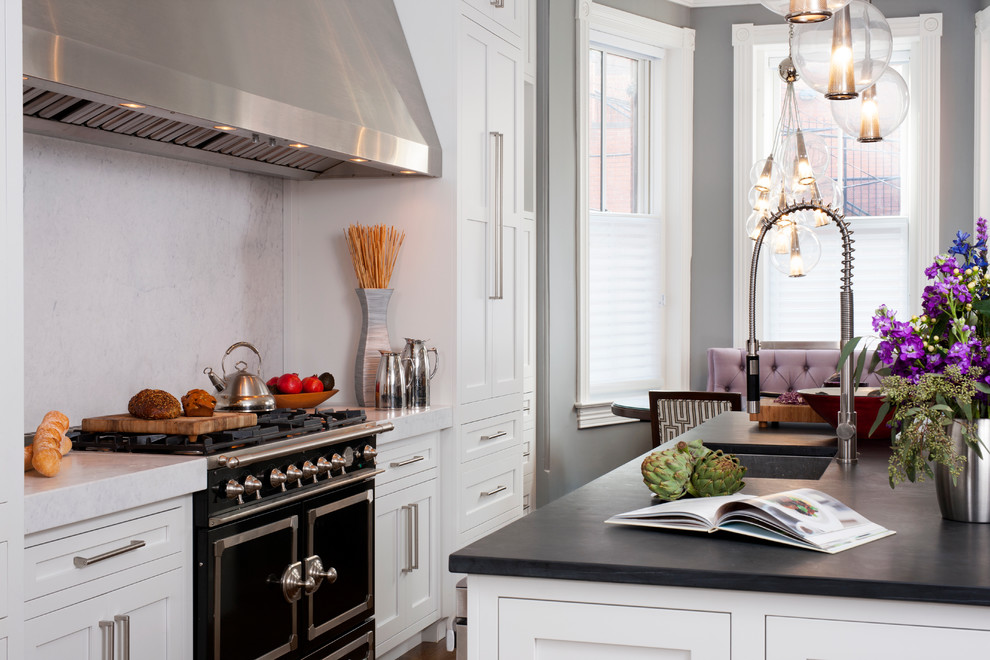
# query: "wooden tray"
{"points": [[190, 426], [785, 412]]}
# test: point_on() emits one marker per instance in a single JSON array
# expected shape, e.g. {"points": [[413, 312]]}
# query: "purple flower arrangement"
{"points": [[955, 327], [937, 365]]}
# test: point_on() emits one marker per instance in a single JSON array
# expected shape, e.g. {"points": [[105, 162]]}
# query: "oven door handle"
{"points": [[316, 574]]}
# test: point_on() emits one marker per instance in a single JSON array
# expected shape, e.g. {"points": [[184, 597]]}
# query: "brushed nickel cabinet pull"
{"points": [[82, 562], [415, 509], [408, 461], [125, 635], [409, 538], [106, 634], [498, 489], [493, 436]]}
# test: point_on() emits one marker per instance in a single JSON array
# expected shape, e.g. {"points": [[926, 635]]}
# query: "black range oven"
{"points": [[284, 539]]}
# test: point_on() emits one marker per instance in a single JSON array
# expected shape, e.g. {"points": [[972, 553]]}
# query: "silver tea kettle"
{"points": [[241, 391]]}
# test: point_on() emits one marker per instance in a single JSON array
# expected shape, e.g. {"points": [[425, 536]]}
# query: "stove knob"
{"points": [[369, 453], [348, 457], [337, 462], [323, 465], [252, 484], [233, 489], [292, 473], [276, 478], [309, 470]]}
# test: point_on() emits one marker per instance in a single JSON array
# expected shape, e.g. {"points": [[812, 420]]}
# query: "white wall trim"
{"points": [[981, 129], [926, 32], [677, 146]]}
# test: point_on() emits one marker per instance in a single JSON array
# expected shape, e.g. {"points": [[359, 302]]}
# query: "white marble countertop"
{"points": [[92, 484]]}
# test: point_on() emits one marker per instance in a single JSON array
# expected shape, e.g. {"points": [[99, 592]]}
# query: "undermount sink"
{"points": [[783, 466]]}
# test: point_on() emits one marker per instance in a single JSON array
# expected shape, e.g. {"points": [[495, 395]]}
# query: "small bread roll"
{"points": [[66, 445], [47, 458], [28, 454]]}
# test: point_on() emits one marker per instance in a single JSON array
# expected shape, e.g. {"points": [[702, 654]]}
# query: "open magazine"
{"points": [[805, 517]]}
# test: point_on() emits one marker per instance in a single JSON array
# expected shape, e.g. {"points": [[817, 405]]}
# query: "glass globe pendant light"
{"points": [[805, 11], [842, 57], [796, 250], [878, 112]]}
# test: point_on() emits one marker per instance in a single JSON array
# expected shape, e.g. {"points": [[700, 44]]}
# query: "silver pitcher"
{"points": [[419, 373], [390, 384]]}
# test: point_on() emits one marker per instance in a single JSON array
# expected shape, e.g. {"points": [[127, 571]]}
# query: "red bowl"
{"points": [[825, 402]]}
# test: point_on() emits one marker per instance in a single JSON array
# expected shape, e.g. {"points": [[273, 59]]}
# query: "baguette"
{"points": [[47, 459], [50, 443]]}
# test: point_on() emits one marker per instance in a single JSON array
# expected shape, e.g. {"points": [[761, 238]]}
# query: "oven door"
{"points": [[255, 589], [340, 535]]}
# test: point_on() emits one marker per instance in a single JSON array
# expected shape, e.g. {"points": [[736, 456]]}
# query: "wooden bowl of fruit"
{"points": [[291, 391]]}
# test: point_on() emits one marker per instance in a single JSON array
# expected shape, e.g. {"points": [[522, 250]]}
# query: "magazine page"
{"points": [[806, 514], [688, 513]]}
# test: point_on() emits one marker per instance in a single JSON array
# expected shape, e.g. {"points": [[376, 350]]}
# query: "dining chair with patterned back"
{"points": [[673, 413]]}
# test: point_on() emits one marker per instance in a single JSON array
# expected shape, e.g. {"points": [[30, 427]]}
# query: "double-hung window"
{"points": [[634, 227], [889, 192]]}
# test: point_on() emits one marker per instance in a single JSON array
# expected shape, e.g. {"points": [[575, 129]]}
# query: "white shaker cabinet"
{"points": [[116, 586], [504, 14], [407, 558], [491, 258]]}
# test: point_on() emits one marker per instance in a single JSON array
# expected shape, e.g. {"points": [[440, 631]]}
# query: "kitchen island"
{"points": [[560, 582]]}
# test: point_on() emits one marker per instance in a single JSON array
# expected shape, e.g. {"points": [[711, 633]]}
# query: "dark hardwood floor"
{"points": [[427, 651]]}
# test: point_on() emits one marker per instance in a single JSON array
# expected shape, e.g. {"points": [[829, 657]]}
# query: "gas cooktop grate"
{"points": [[272, 426]]}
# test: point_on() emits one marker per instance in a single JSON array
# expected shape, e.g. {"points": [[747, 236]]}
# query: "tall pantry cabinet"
{"points": [[11, 337], [492, 265]]}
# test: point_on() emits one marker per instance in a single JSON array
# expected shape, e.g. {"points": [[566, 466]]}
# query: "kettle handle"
{"points": [[240, 344], [436, 362]]}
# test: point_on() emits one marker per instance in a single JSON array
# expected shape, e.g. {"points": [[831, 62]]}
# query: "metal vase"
{"points": [[373, 339], [968, 500]]}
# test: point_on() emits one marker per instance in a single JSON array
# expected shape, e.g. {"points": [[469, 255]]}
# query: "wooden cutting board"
{"points": [[191, 426], [784, 412]]}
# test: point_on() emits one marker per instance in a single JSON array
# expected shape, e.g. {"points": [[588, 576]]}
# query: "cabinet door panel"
{"points": [[389, 553], [548, 630], [507, 330], [803, 639], [420, 583]]}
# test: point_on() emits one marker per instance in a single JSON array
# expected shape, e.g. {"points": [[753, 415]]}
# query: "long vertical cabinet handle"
{"points": [[106, 634], [409, 539], [125, 635], [497, 210], [415, 508], [501, 215]]}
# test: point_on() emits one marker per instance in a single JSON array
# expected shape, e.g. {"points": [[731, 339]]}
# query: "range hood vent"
{"points": [[315, 89]]}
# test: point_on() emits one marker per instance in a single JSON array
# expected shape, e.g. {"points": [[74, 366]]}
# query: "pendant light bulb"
{"points": [[869, 117], [797, 263], [881, 110], [765, 174], [804, 11], [803, 174], [841, 74]]}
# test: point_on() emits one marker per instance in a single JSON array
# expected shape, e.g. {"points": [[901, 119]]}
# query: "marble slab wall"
{"points": [[139, 271]]}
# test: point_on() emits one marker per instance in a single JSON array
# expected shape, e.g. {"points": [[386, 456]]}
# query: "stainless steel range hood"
{"points": [[300, 89]]}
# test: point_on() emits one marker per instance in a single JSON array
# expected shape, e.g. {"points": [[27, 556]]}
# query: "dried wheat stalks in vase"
{"points": [[374, 251]]}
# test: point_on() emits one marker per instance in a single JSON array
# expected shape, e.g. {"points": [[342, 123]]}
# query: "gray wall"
{"points": [[576, 457]]}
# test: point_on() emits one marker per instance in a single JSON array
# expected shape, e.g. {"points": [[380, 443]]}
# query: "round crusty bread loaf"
{"points": [[154, 404]]}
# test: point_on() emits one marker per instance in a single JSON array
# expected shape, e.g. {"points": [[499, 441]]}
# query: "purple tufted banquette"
{"points": [[781, 370]]}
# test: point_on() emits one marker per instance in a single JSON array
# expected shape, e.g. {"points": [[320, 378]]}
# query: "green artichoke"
{"points": [[716, 474], [668, 472]]}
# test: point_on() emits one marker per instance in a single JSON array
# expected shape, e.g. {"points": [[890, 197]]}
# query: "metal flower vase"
{"points": [[373, 339], [968, 500]]}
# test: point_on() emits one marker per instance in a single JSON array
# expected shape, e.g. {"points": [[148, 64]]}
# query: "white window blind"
{"points": [[625, 288]]}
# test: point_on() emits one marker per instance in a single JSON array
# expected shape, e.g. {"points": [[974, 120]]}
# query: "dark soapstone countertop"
{"points": [[928, 559]]}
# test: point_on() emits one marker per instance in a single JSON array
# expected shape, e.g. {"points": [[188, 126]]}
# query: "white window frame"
{"points": [[924, 33], [672, 187], [981, 130]]}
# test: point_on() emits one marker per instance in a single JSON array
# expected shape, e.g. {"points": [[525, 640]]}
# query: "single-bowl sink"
{"points": [[784, 466]]}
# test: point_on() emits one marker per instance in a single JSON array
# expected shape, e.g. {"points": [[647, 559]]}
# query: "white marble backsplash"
{"points": [[140, 271]]}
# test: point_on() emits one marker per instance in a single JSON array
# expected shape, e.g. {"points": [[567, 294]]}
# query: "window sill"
{"points": [[590, 415]]}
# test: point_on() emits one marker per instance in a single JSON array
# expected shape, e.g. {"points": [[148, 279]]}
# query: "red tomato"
{"points": [[289, 384], [312, 384]]}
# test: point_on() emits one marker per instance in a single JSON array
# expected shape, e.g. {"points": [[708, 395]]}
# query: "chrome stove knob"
{"points": [[233, 489], [337, 462], [369, 453], [252, 484], [309, 470], [277, 478], [323, 465], [292, 473]]}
